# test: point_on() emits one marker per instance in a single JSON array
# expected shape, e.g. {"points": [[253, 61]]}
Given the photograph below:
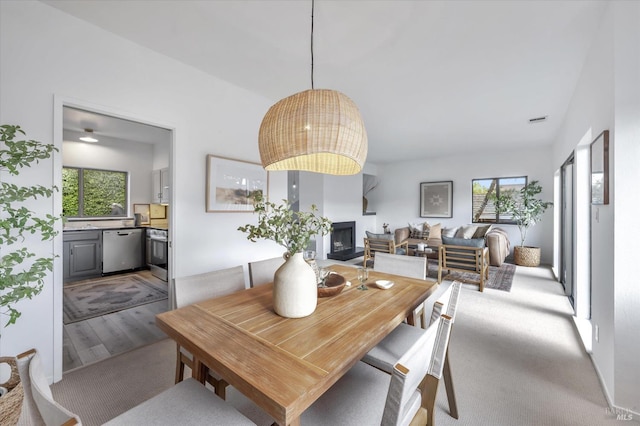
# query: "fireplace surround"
{"points": [[343, 242]]}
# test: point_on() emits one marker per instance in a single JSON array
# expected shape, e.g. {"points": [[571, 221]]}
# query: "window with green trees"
{"points": [[484, 193], [94, 193]]}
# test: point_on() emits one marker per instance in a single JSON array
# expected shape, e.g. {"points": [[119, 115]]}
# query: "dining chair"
{"points": [[185, 403], [196, 288], [262, 271], [407, 266], [38, 405], [386, 353], [367, 395]]}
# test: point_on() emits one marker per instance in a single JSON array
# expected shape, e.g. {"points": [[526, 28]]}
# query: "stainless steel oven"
{"points": [[158, 252]]}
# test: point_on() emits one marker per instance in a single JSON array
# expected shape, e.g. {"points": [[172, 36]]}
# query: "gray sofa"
{"points": [[496, 239]]}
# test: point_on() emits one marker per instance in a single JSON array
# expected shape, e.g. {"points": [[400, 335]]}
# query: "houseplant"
{"points": [[294, 283], [526, 210], [21, 273]]}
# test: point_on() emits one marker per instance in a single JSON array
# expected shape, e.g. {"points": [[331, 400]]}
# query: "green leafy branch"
{"points": [[523, 206], [279, 223], [18, 281]]}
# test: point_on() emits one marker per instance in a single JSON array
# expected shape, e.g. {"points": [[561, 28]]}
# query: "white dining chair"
{"points": [[186, 403], [38, 405], [261, 271], [386, 353], [369, 396], [407, 266], [196, 288]]}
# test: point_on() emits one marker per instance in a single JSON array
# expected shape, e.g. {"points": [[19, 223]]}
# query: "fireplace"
{"points": [[343, 242]]}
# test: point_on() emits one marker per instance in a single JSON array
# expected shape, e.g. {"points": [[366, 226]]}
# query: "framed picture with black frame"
{"points": [[436, 199]]}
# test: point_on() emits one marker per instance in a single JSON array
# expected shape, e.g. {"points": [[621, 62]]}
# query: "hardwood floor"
{"points": [[94, 339]]}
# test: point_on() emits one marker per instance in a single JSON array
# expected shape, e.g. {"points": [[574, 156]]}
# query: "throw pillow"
{"points": [[435, 231], [466, 231], [481, 231], [418, 227], [466, 242], [449, 232], [379, 236]]}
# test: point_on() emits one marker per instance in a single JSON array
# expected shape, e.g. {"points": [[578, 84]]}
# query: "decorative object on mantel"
{"points": [[317, 130], [295, 285], [436, 199], [526, 210], [600, 169], [21, 273]]}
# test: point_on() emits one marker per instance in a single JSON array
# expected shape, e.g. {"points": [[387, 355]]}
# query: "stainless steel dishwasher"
{"points": [[122, 250]]}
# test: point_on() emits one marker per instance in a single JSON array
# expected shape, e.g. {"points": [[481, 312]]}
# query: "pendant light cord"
{"points": [[312, 9]]}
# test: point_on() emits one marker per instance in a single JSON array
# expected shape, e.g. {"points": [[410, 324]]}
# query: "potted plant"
{"points": [[21, 272], [526, 210], [294, 284]]}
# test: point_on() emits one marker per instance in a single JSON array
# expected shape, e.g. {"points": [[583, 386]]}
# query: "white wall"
{"points": [[46, 55], [608, 97], [134, 158], [399, 197]]}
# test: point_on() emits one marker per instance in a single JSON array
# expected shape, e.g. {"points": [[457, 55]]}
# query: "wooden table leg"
{"points": [[199, 370], [448, 384]]}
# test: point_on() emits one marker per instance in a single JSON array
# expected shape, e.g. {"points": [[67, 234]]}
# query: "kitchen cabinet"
{"points": [[82, 254], [160, 182]]}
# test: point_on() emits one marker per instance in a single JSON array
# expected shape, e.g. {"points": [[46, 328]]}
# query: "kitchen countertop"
{"points": [[110, 228]]}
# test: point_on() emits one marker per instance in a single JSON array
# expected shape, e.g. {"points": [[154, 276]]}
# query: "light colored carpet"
{"points": [[101, 391], [515, 357]]}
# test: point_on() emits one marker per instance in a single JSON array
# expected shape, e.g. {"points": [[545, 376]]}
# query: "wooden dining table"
{"points": [[283, 364]]}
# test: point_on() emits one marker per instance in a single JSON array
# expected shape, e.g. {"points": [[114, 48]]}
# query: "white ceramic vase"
{"points": [[295, 291]]}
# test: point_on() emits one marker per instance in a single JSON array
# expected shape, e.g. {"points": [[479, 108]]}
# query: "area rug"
{"points": [[500, 277], [90, 300]]}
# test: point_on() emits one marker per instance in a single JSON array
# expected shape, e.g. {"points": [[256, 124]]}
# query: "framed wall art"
{"points": [[143, 211], [600, 169], [231, 184], [436, 199]]}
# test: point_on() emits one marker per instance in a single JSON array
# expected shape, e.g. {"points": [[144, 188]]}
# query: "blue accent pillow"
{"points": [[466, 242]]}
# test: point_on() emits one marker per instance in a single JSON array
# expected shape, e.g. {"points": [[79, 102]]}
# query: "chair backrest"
{"points": [[447, 303], [39, 407], [196, 288], [261, 272], [425, 357], [408, 266], [377, 245]]}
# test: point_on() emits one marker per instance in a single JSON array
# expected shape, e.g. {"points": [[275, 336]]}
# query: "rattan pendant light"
{"points": [[317, 130]]}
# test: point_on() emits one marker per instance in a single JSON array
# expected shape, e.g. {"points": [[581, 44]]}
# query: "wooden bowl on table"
{"points": [[334, 283]]}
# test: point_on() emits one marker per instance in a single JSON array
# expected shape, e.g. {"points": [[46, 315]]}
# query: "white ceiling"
{"points": [[431, 78]]}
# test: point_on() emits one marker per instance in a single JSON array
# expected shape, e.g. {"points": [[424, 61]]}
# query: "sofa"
{"points": [[495, 239]]}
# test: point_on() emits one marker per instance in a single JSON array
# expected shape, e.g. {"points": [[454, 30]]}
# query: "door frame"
{"points": [[59, 102]]}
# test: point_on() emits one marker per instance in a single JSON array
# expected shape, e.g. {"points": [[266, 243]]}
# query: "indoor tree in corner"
{"points": [[526, 210]]}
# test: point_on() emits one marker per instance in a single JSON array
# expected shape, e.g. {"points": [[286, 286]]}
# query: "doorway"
{"points": [[567, 240], [139, 150]]}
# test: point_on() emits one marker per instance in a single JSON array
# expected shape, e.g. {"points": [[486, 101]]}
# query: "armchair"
{"points": [[384, 243]]}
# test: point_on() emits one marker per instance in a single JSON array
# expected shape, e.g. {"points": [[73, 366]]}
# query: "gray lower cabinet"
{"points": [[82, 254]]}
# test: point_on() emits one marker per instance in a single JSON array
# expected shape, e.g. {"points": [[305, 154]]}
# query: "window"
{"points": [[483, 193], [94, 193]]}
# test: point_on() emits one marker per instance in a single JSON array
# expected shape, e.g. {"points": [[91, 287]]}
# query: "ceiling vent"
{"points": [[538, 119]]}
